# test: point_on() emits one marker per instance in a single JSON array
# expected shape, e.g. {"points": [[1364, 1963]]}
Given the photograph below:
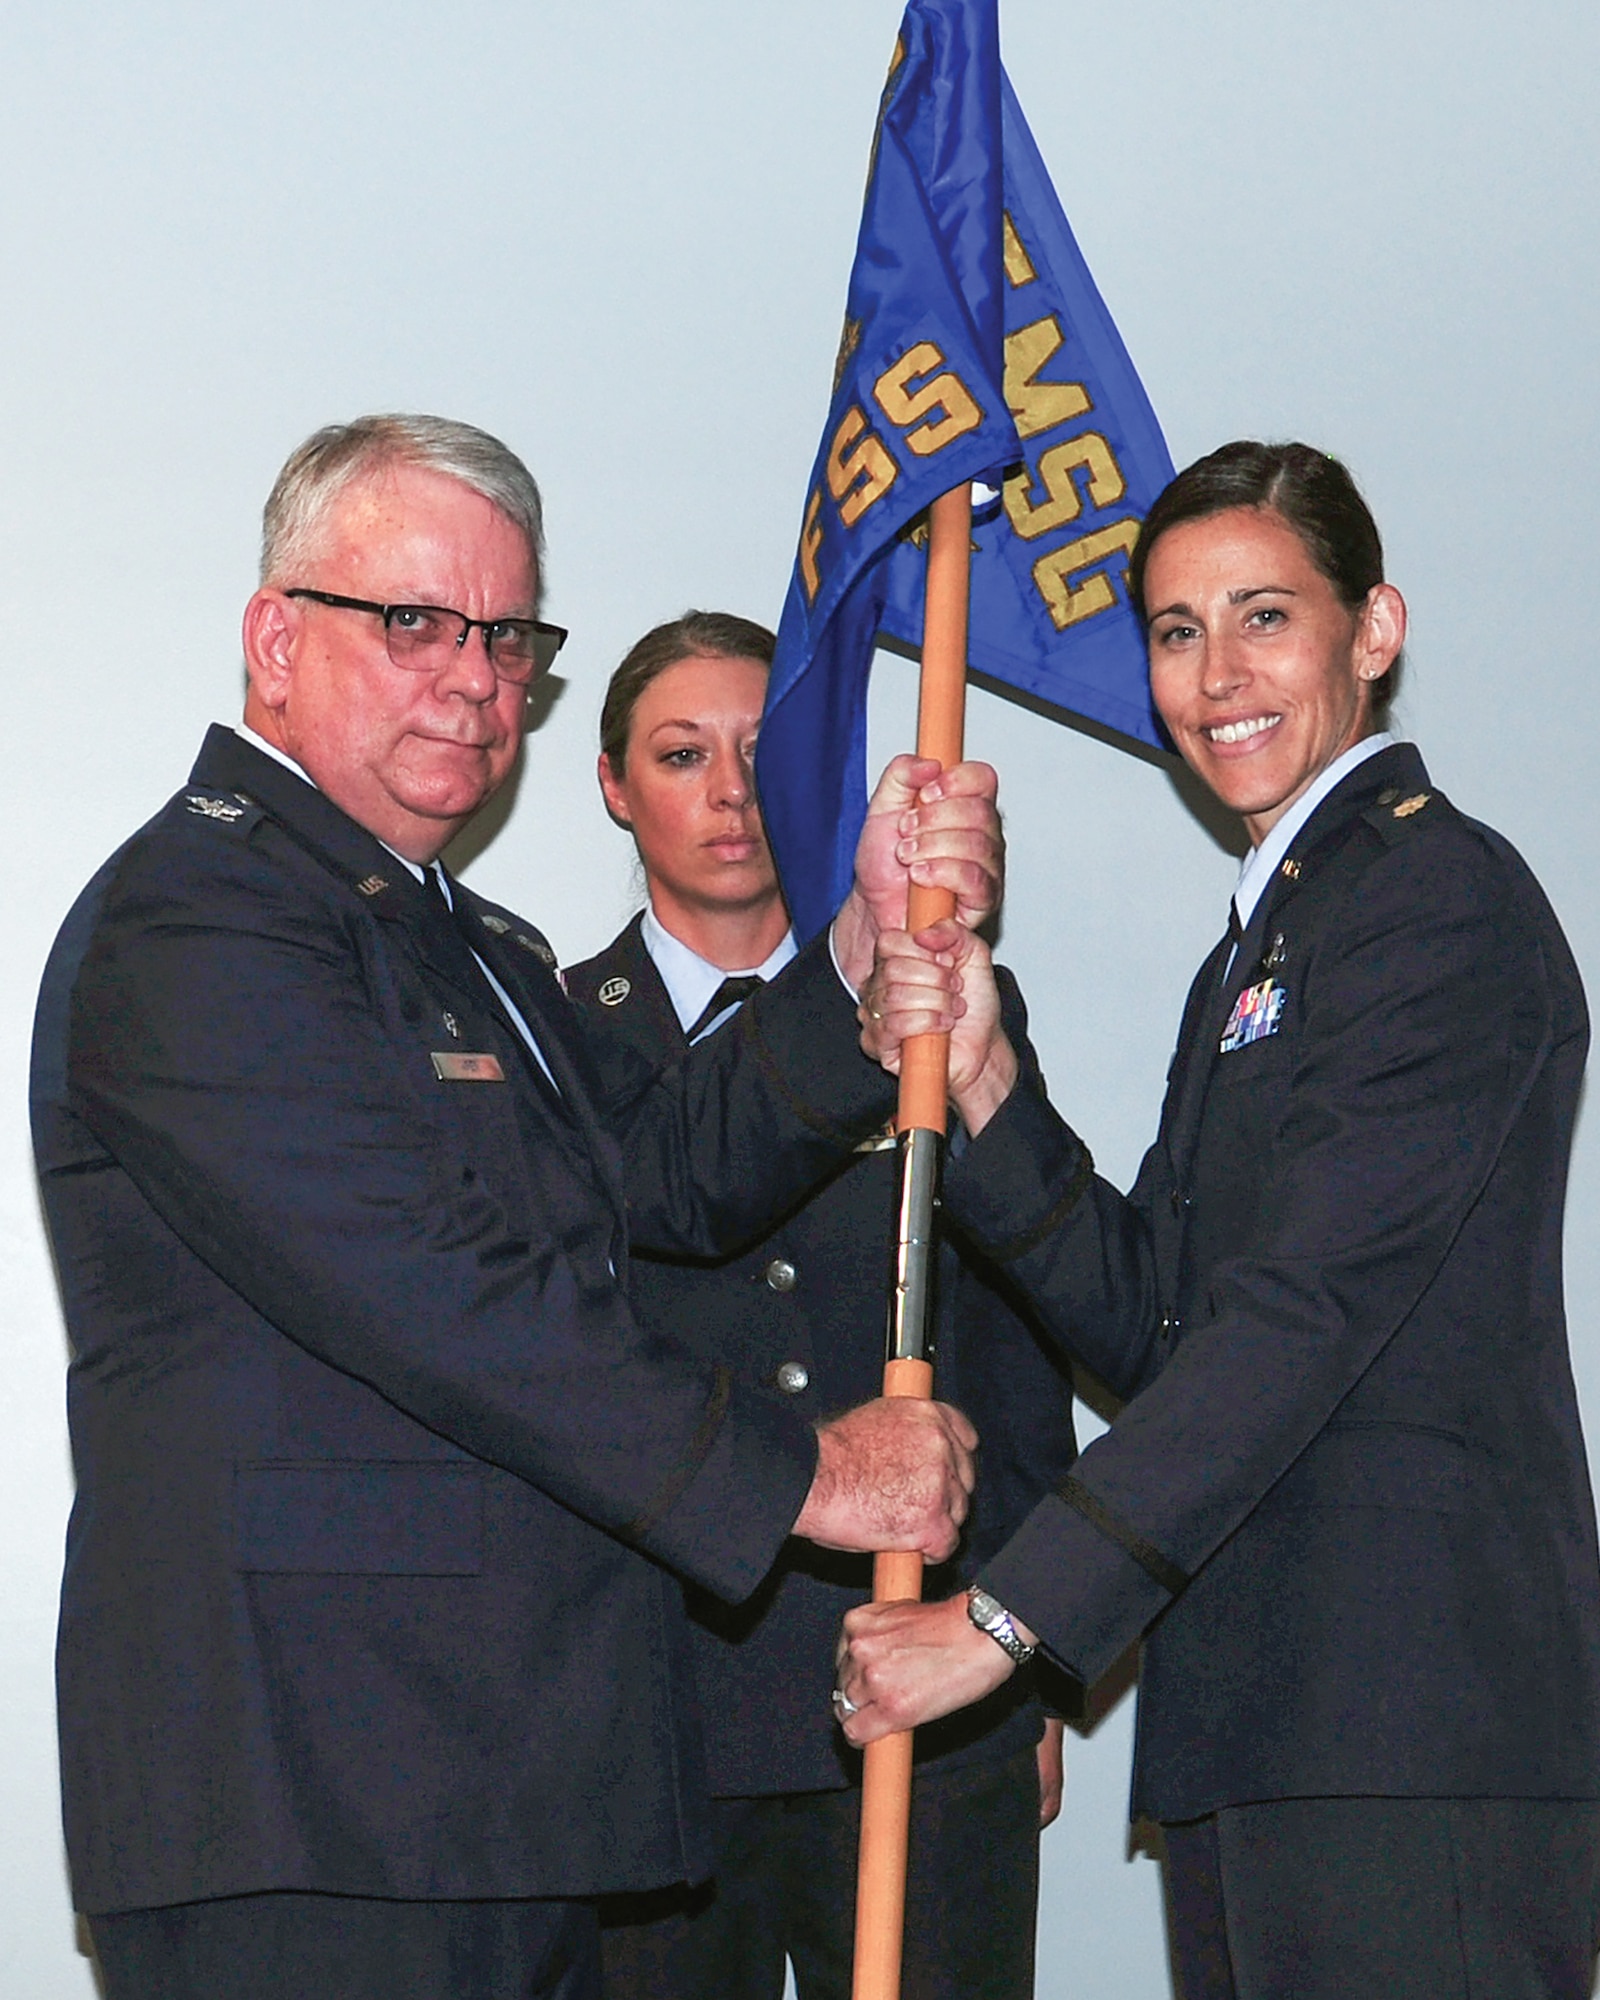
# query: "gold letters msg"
{"points": [[1043, 501]]}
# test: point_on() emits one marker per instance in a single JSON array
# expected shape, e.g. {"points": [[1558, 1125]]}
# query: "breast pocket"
{"points": [[358, 1518], [1249, 1083], [1232, 1172]]}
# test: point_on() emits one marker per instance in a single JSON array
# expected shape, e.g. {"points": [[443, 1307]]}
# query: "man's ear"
{"points": [[271, 628], [611, 786]]}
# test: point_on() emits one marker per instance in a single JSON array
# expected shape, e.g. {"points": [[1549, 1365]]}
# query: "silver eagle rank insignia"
{"points": [[208, 807]]}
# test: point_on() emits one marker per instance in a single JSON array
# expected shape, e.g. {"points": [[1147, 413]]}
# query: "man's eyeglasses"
{"points": [[422, 637]]}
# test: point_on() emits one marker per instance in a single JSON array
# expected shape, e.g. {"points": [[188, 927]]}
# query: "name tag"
{"points": [[1256, 1013], [457, 1066]]}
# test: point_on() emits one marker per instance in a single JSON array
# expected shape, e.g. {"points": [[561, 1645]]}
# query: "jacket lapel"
{"points": [[643, 1015], [1191, 1068], [451, 957], [1206, 1018], [1249, 967], [229, 763], [524, 964]]}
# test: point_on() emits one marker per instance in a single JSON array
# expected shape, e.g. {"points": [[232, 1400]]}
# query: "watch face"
{"points": [[994, 1619], [983, 1610]]}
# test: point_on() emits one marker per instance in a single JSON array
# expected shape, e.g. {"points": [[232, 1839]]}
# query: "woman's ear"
{"points": [[1381, 632], [614, 790]]}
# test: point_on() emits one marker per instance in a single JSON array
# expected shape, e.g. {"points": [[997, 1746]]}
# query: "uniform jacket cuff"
{"points": [[824, 1078], [726, 1523], [1085, 1597], [1020, 1177]]}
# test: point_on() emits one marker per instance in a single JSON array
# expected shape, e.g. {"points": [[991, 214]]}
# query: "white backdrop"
{"points": [[618, 236]]}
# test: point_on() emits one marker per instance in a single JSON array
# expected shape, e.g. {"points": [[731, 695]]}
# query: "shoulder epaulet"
{"points": [[234, 812], [1395, 815]]}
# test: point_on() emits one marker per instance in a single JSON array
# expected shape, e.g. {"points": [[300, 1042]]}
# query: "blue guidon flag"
{"points": [[975, 347]]}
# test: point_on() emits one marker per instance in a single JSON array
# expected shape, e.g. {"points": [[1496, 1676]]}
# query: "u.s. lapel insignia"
{"points": [[1257, 1013], [538, 947], [1290, 869], [373, 885], [613, 992]]}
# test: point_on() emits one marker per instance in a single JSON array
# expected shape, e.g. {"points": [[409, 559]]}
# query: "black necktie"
{"points": [[450, 910], [433, 889], [728, 994], [1235, 933]]}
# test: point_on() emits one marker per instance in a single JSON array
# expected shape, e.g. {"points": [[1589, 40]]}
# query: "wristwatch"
{"points": [[993, 1618]]}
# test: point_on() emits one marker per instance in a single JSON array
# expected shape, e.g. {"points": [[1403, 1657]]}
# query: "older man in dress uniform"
{"points": [[370, 1657]]}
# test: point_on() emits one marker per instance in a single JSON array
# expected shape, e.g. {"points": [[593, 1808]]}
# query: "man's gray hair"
{"points": [[334, 458]]}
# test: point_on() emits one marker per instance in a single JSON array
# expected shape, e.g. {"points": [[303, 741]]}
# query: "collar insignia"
{"points": [[210, 808]]}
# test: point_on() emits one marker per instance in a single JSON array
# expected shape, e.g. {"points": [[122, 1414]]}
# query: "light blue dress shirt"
{"points": [[691, 980]]}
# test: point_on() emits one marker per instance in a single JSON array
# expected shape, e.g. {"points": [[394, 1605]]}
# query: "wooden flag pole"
{"points": [[908, 1370]]}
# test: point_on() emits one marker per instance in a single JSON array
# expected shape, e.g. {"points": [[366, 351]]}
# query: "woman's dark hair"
{"points": [[1311, 492], [696, 635]]}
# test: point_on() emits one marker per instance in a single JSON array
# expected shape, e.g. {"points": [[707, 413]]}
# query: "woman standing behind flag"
{"points": [[802, 1315], [1347, 1501]]}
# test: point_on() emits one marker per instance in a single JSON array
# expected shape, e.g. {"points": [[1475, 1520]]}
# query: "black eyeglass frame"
{"points": [[554, 636]]}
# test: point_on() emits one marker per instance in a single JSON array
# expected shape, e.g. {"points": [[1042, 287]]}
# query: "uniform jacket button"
{"points": [[781, 1275], [793, 1376]]}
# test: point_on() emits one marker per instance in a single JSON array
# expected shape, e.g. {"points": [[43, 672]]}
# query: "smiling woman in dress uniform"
{"points": [[802, 1315], [1347, 1500]]}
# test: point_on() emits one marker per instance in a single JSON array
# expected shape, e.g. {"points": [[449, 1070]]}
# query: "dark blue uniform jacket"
{"points": [[373, 1454], [1348, 1501], [799, 1317]]}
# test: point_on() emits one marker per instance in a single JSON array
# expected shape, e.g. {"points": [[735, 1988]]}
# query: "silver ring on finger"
{"points": [[843, 1706]]}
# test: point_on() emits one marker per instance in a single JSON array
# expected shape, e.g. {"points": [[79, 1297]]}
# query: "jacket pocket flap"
{"points": [[1383, 1465]]}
